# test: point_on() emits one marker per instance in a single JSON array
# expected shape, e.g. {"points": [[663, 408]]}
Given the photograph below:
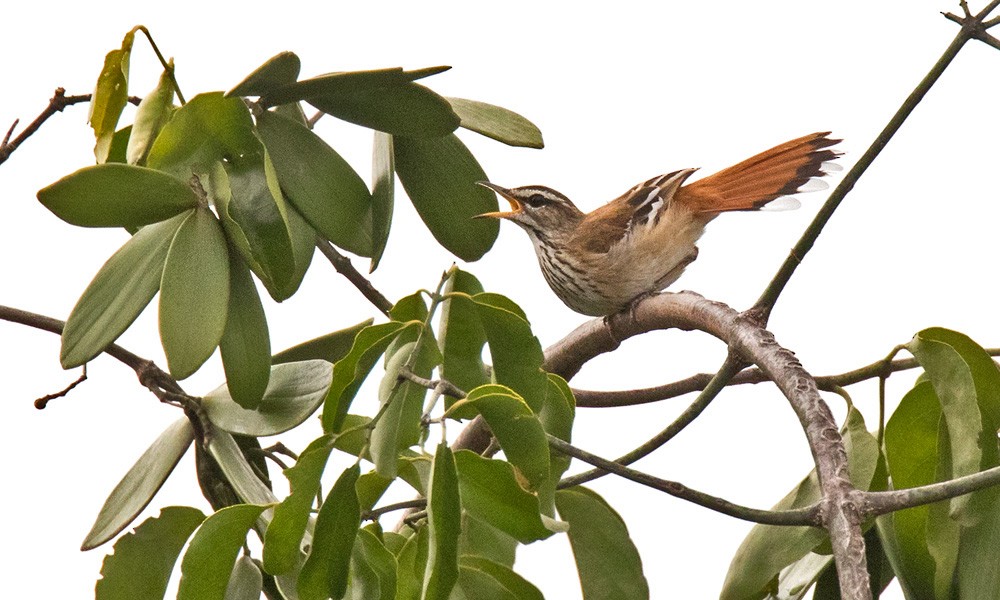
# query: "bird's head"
{"points": [[541, 211]]}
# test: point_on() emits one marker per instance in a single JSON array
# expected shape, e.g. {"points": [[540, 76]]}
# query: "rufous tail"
{"points": [[751, 184]]}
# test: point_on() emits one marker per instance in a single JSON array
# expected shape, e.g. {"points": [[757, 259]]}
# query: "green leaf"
{"points": [[294, 392], [606, 559], [283, 537], [977, 574], [373, 568], [246, 581], [194, 293], [351, 371], [119, 145], [383, 194], [399, 427], [246, 343], [319, 183], [483, 579], [325, 572], [137, 488], [142, 560], [768, 549], [118, 293], [153, 113], [330, 347], [411, 564], [110, 96], [461, 333], [445, 524], [515, 426], [116, 195], [408, 109], [208, 129], [440, 175], [345, 83], [516, 352], [279, 70], [482, 539], [208, 562], [491, 492], [238, 472], [498, 123]]}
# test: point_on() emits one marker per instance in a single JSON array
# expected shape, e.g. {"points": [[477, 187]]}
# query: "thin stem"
{"points": [[168, 66], [801, 516], [730, 367], [42, 402], [375, 513], [880, 503], [343, 266]]}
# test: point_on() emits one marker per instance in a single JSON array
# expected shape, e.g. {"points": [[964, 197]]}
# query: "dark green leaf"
{"points": [[118, 293], [349, 82], [294, 392], [483, 579], [373, 569], [325, 572], [330, 347], [461, 333], [110, 96], [303, 239], [606, 559], [440, 175], [444, 521], [383, 194], [323, 187], [246, 343], [491, 492], [515, 426], [481, 539], [351, 371], [246, 581], [407, 109], [232, 461], [134, 492], [279, 70], [119, 147], [142, 561], [116, 195], [283, 538], [208, 562], [516, 352], [153, 113], [411, 565], [496, 122], [370, 488], [194, 293]]}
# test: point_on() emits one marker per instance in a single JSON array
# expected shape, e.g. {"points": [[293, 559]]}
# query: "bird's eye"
{"points": [[535, 200]]}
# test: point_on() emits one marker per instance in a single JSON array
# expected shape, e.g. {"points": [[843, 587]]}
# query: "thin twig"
{"points": [[375, 513], [880, 503], [343, 266], [42, 402]]}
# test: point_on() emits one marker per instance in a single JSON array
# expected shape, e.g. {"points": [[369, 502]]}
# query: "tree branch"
{"points": [[343, 266], [880, 503]]}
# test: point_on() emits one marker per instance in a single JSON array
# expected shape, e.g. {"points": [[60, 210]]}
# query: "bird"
{"points": [[604, 261]]}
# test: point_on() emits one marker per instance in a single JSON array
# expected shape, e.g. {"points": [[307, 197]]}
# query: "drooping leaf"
{"points": [[134, 492], [118, 293], [440, 175], [246, 581], [445, 524], [461, 333], [490, 492], [279, 70], [294, 392], [482, 579], [318, 181], [383, 194], [330, 347], [606, 558], [194, 293], [246, 343], [516, 352], [142, 560], [515, 426], [498, 123], [350, 372], [110, 96], [117, 195], [324, 574], [208, 562], [153, 113]]}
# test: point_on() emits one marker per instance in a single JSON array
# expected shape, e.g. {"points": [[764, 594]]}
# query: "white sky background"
{"points": [[620, 96]]}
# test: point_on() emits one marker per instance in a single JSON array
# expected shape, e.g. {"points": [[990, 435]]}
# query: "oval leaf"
{"points": [[444, 512], [246, 581], [208, 562], [516, 352], [440, 175], [110, 96], [346, 83], [237, 470], [498, 123], [373, 568], [153, 113], [246, 344], [606, 559], [118, 293], [279, 70], [323, 187], [483, 579], [461, 333], [134, 492], [324, 574], [142, 560], [117, 195], [294, 391], [194, 293]]}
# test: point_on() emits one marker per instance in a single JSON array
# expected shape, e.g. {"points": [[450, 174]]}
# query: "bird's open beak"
{"points": [[515, 204]]}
